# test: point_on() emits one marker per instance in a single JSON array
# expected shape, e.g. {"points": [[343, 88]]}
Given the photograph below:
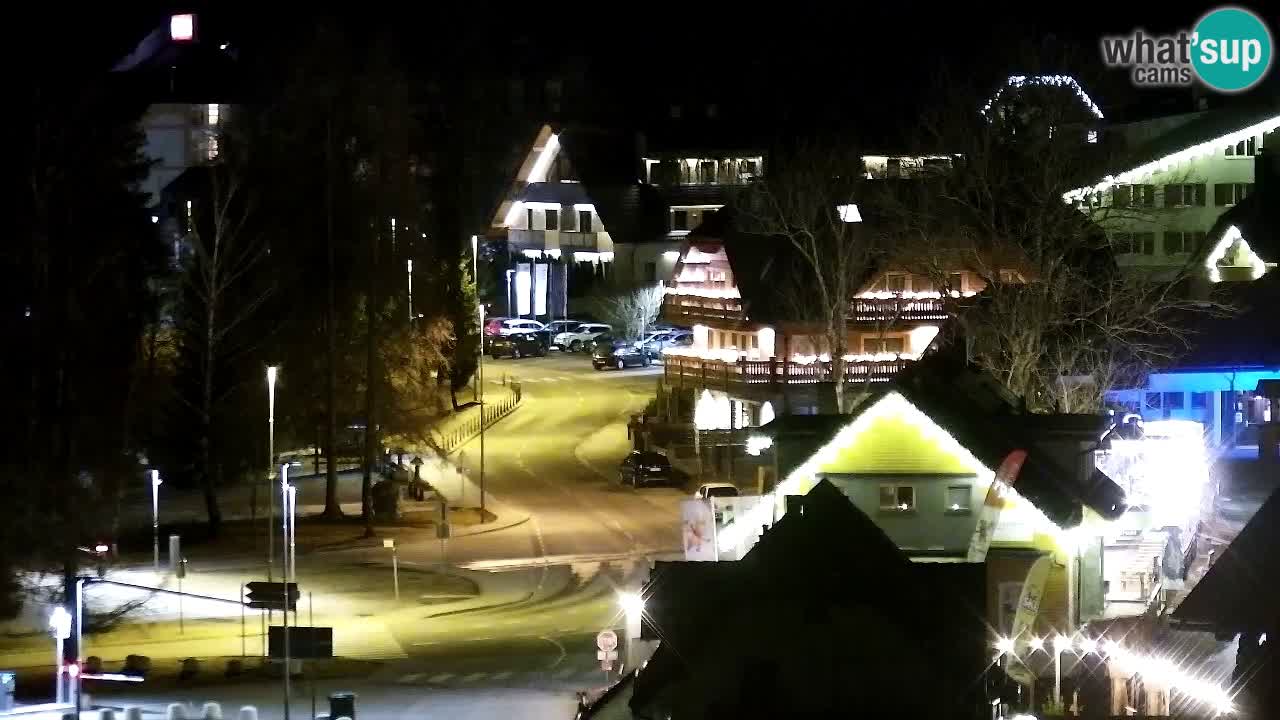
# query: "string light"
{"points": [[1018, 81], [1208, 147]]}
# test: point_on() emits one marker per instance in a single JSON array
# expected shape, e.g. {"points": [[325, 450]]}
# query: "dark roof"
{"points": [[563, 193], [983, 417], [809, 567], [607, 166], [1209, 125], [1238, 592]]}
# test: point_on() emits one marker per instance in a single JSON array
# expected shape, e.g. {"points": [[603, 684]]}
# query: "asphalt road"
{"points": [[543, 587]]}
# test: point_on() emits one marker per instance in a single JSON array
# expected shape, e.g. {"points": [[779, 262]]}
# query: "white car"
{"points": [[512, 326], [580, 337]]}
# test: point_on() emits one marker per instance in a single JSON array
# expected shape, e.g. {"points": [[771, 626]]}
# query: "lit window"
{"points": [[958, 499], [214, 114], [1093, 136], [182, 28], [897, 498], [892, 345], [849, 213]]}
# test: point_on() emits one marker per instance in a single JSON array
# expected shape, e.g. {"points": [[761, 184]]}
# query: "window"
{"points": [[1092, 137], [528, 218], [956, 281], [1199, 400], [1184, 195], [1173, 401], [1153, 400], [1144, 195], [707, 171], [896, 283], [552, 218], [958, 499], [922, 283], [584, 221], [1145, 243], [882, 345], [1244, 148], [897, 498], [1231, 193], [679, 219], [1178, 241]]}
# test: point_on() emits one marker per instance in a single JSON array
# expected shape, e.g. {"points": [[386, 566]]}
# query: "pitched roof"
{"points": [[1237, 593], [983, 417]]}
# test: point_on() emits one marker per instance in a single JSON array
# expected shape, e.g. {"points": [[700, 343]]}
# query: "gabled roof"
{"points": [[1238, 592], [983, 418]]}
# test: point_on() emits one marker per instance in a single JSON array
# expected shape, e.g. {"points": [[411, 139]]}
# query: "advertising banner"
{"points": [[698, 530]]}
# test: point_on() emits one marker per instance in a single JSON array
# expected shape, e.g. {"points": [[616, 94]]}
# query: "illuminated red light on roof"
{"points": [[182, 28]]}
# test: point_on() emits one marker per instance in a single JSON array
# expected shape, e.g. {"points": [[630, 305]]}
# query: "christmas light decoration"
{"points": [[1019, 81]]}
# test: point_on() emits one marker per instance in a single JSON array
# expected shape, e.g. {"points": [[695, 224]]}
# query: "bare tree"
{"points": [[809, 197], [631, 312], [1058, 322], [224, 292]]}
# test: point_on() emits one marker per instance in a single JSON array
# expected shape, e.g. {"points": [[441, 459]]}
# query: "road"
{"points": [[541, 589]]}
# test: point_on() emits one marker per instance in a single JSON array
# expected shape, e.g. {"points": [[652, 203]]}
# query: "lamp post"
{"points": [[395, 564], [480, 386], [155, 520], [271, 461], [632, 604], [60, 625], [409, 266], [1061, 644], [284, 540]]}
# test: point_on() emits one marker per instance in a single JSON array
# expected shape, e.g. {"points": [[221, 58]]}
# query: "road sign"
{"points": [[607, 640], [270, 596], [607, 655], [305, 643]]}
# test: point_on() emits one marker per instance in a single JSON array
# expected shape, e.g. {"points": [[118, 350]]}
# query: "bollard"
{"points": [[212, 711], [107, 714], [133, 712], [248, 712], [190, 668], [176, 711]]}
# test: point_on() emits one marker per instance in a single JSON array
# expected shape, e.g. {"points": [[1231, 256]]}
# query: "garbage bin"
{"points": [[342, 704], [7, 681]]}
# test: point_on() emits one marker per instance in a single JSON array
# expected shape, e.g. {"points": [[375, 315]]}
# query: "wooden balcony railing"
{"points": [[897, 309], [687, 309], [782, 372]]}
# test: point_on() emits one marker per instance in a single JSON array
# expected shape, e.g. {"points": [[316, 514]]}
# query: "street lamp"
{"points": [[60, 626], [271, 460], [480, 399], [1061, 644], [288, 512], [632, 604], [409, 264], [286, 544], [155, 519], [395, 564]]}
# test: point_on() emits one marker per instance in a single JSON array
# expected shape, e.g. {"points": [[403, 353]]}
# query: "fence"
{"points": [[455, 437], [753, 372]]}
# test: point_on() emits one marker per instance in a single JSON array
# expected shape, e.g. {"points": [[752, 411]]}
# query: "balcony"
{"points": [[897, 309], [691, 309], [564, 240], [775, 372]]}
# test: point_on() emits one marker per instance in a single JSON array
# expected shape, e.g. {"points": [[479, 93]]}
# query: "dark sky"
{"points": [[866, 59]]}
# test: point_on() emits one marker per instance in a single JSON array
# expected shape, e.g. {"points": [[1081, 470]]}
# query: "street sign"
{"points": [[607, 655], [305, 643], [270, 596], [607, 640]]}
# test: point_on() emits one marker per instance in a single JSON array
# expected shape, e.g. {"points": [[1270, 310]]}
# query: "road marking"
{"points": [[472, 677], [559, 647], [439, 678], [411, 677], [503, 675]]}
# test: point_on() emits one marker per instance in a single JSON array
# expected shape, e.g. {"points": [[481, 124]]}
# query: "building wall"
{"points": [[646, 263], [176, 138], [1209, 170], [1210, 397]]}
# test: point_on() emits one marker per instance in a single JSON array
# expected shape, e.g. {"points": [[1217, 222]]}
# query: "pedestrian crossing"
{"points": [[582, 673]]}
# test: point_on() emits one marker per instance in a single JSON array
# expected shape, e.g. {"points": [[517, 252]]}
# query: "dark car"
{"points": [[645, 468], [619, 355], [516, 346]]}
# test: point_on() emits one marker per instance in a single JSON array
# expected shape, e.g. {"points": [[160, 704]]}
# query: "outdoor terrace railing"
{"points": [[782, 372], [897, 309]]}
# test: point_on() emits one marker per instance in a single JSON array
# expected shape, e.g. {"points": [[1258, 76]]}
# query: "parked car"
{"points": [[645, 468], [517, 345], [554, 328], [619, 355], [580, 337], [658, 341], [707, 491], [493, 325], [518, 325]]}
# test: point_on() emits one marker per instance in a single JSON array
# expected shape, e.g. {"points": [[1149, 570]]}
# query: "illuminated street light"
{"points": [[60, 626], [1004, 645], [1088, 645], [271, 461], [155, 519], [1036, 643], [632, 604]]}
